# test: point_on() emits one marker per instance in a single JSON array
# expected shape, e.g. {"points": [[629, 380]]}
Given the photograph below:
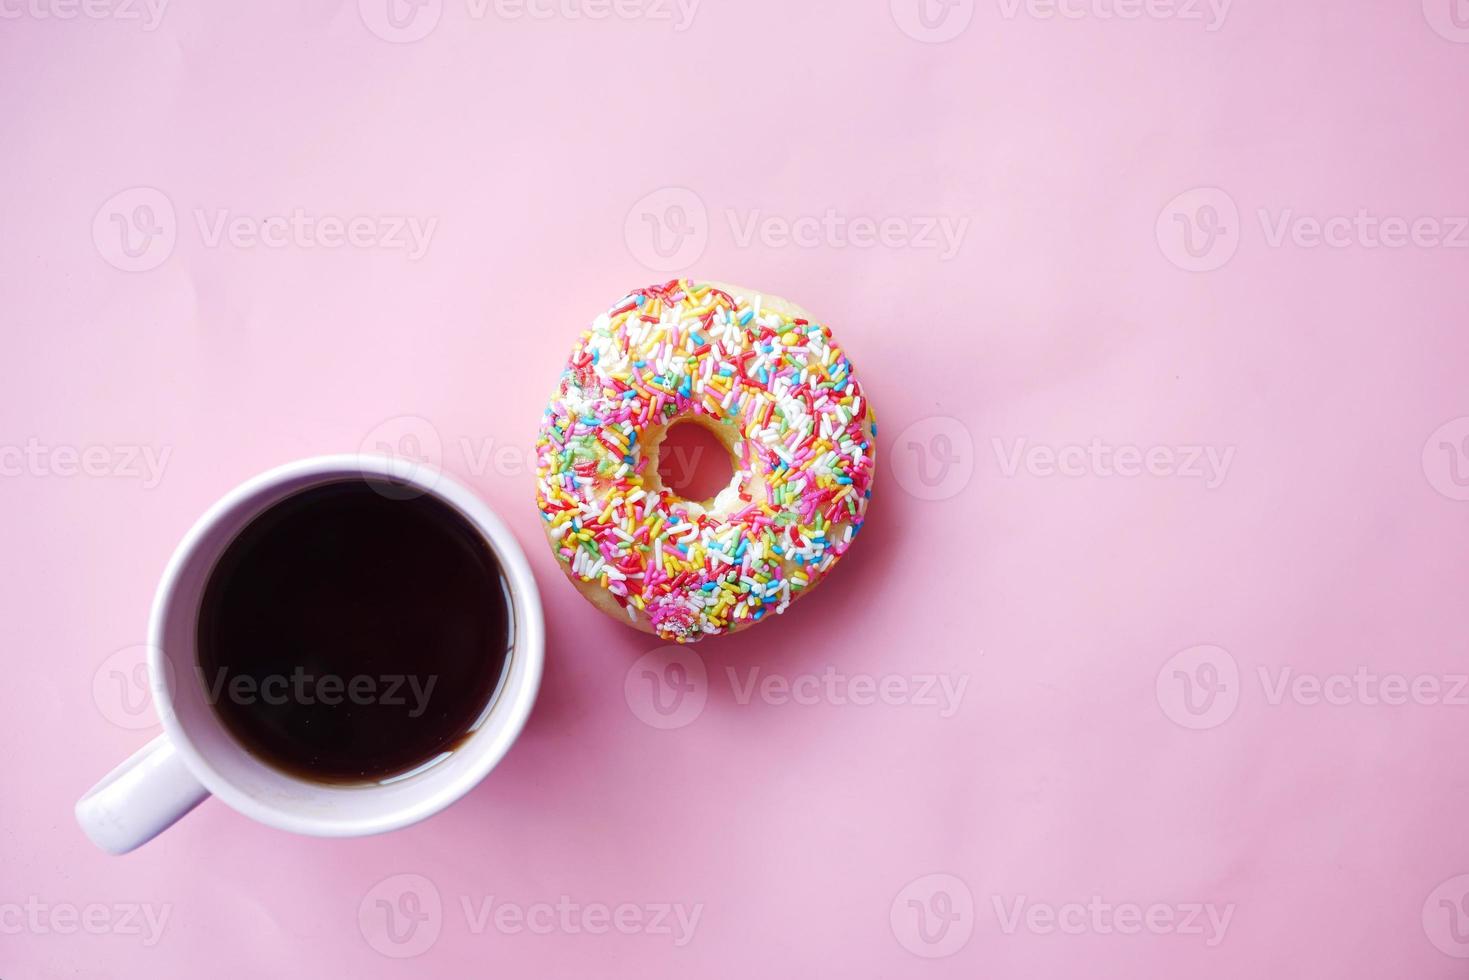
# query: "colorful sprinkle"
{"points": [[805, 456]]}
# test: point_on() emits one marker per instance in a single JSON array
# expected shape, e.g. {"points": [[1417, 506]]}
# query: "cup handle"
{"points": [[140, 799]]}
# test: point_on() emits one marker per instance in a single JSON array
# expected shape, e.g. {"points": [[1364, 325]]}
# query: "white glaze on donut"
{"points": [[779, 394]]}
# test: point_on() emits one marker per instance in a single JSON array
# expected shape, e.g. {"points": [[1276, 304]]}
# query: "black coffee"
{"points": [[352, 632]]}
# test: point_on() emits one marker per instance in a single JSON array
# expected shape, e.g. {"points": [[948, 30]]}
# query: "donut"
{"points": [[779, 394]]}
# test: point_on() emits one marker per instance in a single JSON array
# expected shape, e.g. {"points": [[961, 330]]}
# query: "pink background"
{"points": [[1070, 768]]}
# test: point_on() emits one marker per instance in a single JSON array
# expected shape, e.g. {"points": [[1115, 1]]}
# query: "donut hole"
{"points": [[692, 461]]}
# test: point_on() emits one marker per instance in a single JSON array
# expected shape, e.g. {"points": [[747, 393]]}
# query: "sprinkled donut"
{"points": [[778, 393]]}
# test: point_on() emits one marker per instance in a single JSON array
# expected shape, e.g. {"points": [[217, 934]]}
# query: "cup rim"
{"points": [[512, 705]]}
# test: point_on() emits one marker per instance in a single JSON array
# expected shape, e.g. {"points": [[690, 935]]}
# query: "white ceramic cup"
{"points": [[196, 756]]}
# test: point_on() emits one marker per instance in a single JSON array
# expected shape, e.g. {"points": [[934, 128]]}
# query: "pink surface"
{"points": [[1165, 504]]}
